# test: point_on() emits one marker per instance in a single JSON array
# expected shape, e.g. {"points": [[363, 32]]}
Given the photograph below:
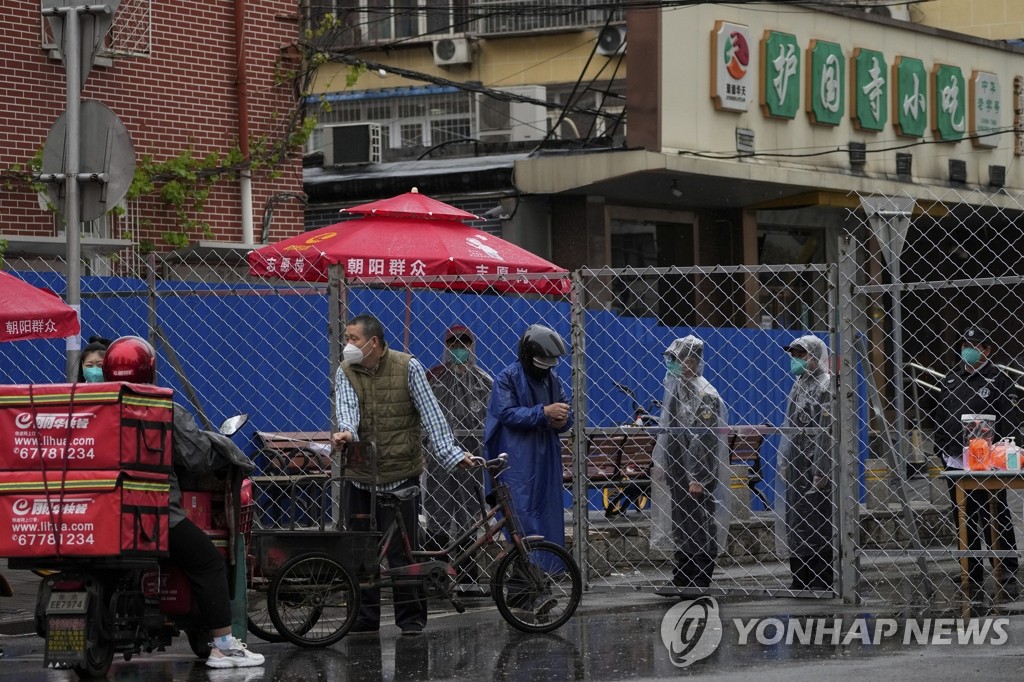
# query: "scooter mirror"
{"points": [[231, 425]]}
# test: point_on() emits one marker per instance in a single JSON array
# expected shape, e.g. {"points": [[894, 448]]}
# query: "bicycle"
{"points": [[536, 585]]}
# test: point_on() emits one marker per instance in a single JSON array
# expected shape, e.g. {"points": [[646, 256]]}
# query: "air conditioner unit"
{"points": [[611, 41], [452, 51], [529, 121], [504, 121], [352, 143]]}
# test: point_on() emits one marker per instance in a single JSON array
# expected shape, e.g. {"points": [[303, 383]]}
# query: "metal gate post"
{"points": [[580, 503], [847, 488]]}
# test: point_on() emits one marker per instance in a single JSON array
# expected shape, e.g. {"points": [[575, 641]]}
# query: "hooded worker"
{"points": [[462, 389], [688, 467], [527, 411], [806, 465]]}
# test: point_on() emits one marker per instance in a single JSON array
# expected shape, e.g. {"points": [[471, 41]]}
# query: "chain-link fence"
{"points": [[737, 429], [929, 297], [711, 493]]}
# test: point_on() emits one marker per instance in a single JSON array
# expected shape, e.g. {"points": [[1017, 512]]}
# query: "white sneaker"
{"points": [[238, 656]]}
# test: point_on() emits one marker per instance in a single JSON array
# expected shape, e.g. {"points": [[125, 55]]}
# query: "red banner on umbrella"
{"points": [[393, 242], [27, 312]]}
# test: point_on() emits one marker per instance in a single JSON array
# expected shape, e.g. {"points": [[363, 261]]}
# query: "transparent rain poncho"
{"points": [[804, 504], [680, 521]]}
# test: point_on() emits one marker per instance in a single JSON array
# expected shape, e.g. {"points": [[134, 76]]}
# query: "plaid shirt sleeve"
{"points": [[346, 405], [445, 450]]}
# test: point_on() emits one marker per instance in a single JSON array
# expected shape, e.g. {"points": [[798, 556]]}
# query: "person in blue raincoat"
{"points": [[527, 410]]}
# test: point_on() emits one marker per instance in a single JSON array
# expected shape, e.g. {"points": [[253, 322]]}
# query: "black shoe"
{"points": [[412, 630], [364, 628]]}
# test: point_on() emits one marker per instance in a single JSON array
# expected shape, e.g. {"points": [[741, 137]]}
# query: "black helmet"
{"points": [[539, 348]]}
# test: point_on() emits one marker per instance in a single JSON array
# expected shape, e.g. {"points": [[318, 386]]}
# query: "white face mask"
{"points": [[352, 354]]}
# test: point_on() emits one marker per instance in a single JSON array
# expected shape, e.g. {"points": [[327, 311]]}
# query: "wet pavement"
{"points": [[614, 636]]}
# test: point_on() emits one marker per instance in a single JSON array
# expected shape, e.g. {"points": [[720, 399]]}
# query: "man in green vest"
{"points": [[383, 396]]}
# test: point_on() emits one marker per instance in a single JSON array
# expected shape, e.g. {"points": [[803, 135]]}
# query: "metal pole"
{"points": [[847, 488], [581, 505], [72, 163], [897, 340]]}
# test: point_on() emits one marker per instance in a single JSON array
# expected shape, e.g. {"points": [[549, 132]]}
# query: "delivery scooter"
{"points": [[90, 608]]}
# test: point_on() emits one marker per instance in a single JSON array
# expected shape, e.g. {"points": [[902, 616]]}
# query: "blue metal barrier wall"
{"points": [[252, 349]]}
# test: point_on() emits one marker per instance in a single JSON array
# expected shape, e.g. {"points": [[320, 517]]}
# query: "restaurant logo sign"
{"points": [[878, 91], [732, 81]]}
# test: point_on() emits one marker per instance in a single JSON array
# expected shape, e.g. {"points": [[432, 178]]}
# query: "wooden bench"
{"points": [[295, 473], [618, 464], [623, 462]]}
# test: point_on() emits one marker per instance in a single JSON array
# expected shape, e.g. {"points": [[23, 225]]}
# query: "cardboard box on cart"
{"points": [[109, 425]]}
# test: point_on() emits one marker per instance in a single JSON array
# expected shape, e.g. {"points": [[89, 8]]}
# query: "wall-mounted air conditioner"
{"points": [[452, 52], [352, 143], [504, 121], [611, 41]]}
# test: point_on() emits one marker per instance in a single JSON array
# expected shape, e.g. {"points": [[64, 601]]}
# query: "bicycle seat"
{"points": [[402, 494]]}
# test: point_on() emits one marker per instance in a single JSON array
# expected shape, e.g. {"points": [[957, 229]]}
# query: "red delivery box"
{"points": [[83, 513], [86, 426]]}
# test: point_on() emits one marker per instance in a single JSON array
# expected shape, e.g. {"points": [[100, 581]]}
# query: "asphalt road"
{"points": [[610, 641]]}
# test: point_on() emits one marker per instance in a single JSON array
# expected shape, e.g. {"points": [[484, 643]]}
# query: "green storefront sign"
{"points": [[780, 80], [827, 82], [870, 89], [950, 105], [911, 104]]}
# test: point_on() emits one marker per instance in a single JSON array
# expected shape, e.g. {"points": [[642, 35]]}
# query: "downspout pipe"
{"points": [[242, 84]]}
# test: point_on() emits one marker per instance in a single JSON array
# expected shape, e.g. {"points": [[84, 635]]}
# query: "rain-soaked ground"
{"points": [[621, 635]]}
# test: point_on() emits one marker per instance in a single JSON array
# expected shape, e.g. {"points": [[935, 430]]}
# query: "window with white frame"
{"points": [[374, 21], [406, 121]]}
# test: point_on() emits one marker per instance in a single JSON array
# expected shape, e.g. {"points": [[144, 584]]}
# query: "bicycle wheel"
{"points": [[257, 617], [313, 600], [539, 590]]}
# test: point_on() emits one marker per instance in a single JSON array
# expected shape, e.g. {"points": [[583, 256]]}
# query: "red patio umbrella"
{"points": [[27, 312], [410, 235]]}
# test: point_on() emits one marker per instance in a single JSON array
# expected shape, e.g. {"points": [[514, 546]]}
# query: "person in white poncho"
{"points": [[805, 464], [687, 475]]}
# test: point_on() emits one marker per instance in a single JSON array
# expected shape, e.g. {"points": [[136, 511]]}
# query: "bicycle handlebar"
{"points": [[499, 462]]}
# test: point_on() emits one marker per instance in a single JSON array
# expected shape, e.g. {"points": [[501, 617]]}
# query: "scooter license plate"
{"points": [[68, 602]]}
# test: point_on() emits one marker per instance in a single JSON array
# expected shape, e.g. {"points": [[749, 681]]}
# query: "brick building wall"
{"points": [[182, 96]]}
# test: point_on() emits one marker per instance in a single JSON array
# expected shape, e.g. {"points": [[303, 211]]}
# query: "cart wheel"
{"points": [[258, 616], [199, 641], [539, 590], [313, 600]]}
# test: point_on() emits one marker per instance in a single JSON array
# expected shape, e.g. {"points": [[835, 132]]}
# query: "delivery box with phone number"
{"points": [[83, 513], [109, 425]]}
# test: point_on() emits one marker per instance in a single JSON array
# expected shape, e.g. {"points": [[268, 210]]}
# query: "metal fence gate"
{"points": [[909, 277], [915, 275], [624, 322]]}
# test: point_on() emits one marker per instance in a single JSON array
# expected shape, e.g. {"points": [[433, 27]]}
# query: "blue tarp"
{"points": [[266, 354]]}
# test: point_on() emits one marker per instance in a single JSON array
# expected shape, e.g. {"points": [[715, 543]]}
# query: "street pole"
{"points": [[72, 161]]}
